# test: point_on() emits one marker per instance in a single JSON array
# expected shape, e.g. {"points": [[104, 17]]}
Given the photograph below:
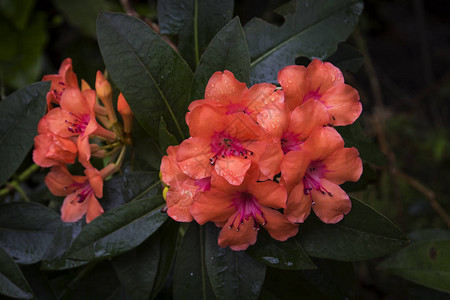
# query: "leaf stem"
{"points": [[9, 186]]}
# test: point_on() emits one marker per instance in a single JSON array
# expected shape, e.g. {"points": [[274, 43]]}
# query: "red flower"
{"points": [[313, 175], [80, 191], [65, 78], [325, 83], [242, 209]]}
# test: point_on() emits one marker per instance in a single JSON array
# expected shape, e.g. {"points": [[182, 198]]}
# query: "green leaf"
{"points": [[154, 79], [124, 188], [347, 58], [137, 269], [314, 30], [425, 261], [233, 274], [56, 256], [17, 11], [362, 234], [190, 279], [20, 113], [26, 230], [168, 246], [82, 13], [166, 139], [146, 151], [227, 51], [195, 22], [287, 255], [12, 281], [354, 137], [119, 230]]}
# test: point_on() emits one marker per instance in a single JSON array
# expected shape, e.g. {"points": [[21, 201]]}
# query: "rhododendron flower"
{"points": [[183, 189], [313, 175], [322, 82], [76, 117], [226, 144], [242, 209], [127, 114], [65, 78], [80, 191]]}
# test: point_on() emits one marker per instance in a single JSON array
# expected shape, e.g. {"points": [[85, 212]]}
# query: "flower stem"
{"points": [[9, 186]]}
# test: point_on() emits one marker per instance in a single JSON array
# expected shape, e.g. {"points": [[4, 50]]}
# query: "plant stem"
{"points": [[9, 186]]}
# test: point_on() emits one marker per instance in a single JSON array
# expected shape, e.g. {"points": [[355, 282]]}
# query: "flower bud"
{"points": [[127, 115]]}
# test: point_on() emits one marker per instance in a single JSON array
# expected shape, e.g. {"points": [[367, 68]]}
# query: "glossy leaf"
{"points": [[124, 188], [190, 279], [137, 268], [56, 256], [313, 30], [195, 22], [146, 150], [26, 230], [362, 234], [119, 230], [12, 281], [425, 261], [227, 51], [156, 80], [168, 246], [166, 139], [233, 274], [287, 255], [20, 113]]}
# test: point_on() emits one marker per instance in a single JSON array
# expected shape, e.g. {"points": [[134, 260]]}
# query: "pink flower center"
{"points": [[83, 190], [290, 142], [247, 207], [312, 95], [61, 90], [78, 124], [311, 180], [203, 184], [224, 145]]}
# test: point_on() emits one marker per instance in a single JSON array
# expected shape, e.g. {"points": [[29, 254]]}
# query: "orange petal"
{"points": [[56, 122], [238, 240], [306, 117], [59, 181], [50, 150], [260, 95], [322, 76], [343, 104], [94, 209], [343, 165], [224, 88], [72, 100], [293, 167], [205, 120], [180, 196], [232, 168], [95, 180], [322, 142], [274, 119], [214, 205], [72, 210], [193, 157], [169, 167], [269, 162], [84, 150], [269, 194], [277, 225], [294, 84], [330, 209], [298, 205]]}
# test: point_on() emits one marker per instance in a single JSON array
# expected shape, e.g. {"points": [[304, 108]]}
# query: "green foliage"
{"points": [[12, 282], [20, 113]]}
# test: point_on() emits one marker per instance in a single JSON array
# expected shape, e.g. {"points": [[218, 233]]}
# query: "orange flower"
{"points": [[242, 209], [64, 79], [80, 191], [76, 117], [127, 114], [322, 82], [313, 175]]}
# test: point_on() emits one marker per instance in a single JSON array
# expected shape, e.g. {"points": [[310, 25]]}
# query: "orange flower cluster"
{"points": [[66, 133], [265, 156]]}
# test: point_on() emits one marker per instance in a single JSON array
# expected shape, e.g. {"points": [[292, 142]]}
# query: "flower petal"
{"points": [[343, 104], [306, 117], [323, 75], [323, 142], [331, 209], [294, 84], [193, 157], [180, 196], [72, 210], [213, 205], [94, 209], [169, 167], [298, 205], [59, 181], [277, 225], [269, 162], [268, 194], [232, 168], [293, 167], [224, 88], [343, 165], [238, 239]]}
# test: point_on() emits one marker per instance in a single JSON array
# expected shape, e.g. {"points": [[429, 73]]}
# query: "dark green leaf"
{"points": [[26, 230], [362, 234], [154, 79], [227, 51], [354, 137], [195, 22], [12, 281], [425, 261], [347, 58], [82, 13], [20, 113], [137, 269], [17, 11], [119, 230], [166, 139], [56, 256], [168, 246], [314, 30], [146, 151], [127, 187], [190, 280], [284, 255], [233, 274]]}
